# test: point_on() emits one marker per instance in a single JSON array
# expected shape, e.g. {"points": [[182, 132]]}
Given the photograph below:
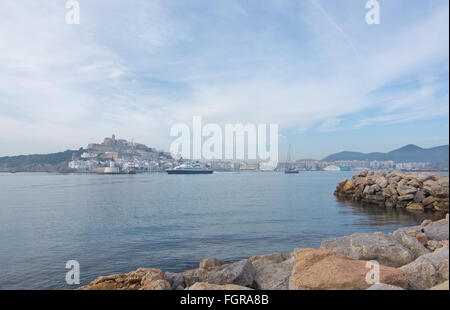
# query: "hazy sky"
{"points": [[135, 67]]}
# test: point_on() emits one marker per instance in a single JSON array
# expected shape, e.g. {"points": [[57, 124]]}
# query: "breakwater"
{"points": [[414, 258], [413, 191]]}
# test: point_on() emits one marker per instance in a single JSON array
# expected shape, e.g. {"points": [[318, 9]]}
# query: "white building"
{"points": [[83, 165]]}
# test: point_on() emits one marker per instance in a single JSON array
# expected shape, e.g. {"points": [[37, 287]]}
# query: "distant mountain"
{"points": [[408, 153]]}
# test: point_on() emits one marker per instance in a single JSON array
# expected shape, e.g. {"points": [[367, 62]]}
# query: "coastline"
{"points": [[410, 258]]}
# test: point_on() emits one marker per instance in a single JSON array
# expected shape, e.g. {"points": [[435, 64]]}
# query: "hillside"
{"points": [[55, 162], [408, 153]]}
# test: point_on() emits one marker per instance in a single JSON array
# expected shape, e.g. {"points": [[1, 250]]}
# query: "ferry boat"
{"points": [[189, 169], [291, 170]]}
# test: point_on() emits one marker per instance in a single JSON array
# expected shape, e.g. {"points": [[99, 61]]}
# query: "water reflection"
{"points": [[382, 216]]}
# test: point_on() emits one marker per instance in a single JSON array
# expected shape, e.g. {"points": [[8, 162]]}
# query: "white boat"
{"points": [[190, 169]]}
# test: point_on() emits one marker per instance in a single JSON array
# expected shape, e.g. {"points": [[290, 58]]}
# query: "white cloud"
{"points": [[135, 67]]}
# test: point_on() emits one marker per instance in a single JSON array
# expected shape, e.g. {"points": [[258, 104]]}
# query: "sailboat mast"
{"points": [[288, 157]]}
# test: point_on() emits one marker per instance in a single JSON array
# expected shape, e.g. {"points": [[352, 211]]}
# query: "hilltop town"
{"points": [[122, 156]]}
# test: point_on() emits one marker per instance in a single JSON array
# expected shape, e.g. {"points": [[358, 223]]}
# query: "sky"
{"points": [[134, 68]]}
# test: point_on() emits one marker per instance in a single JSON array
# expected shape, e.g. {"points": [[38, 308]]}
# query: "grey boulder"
{"points": [[271, 275], [428, 270], [384, 248], [240, 273], [412, 243]]}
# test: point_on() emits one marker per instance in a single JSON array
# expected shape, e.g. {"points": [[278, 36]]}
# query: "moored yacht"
{"points": [[190, 169]]}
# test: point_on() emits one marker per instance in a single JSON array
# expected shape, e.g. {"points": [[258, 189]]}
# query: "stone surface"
{"points": [[272, 274], [209, 263], [176, 280], [384, 248], [325, 270], [152, 275], [428, 270], [412, 243], [384, 287], [428, 201], [408, 197], [157, 285], [437, 232], [134, 280], [433, 245], [348, 185], [420, 236], [441, 287], [240, 273], [194, 275], [203, 286], [274, 257], [415, 206]]}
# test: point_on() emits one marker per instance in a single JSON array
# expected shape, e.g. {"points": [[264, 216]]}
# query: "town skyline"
{"points": [[330, 81]]}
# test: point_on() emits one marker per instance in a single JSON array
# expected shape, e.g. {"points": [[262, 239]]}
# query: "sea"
{"points": [[118, 223]]}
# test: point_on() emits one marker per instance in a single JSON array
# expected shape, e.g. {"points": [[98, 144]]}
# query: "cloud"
{"points": [[134, 68]]}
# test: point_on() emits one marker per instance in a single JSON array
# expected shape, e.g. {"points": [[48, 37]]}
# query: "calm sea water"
{"points": [[115, 224]]}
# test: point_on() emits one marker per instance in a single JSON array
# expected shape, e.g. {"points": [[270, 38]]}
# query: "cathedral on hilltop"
{"points": [[116, 145]]}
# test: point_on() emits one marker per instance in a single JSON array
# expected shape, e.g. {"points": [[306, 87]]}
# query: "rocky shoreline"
{"points": [[413, 191], [413, 258]]}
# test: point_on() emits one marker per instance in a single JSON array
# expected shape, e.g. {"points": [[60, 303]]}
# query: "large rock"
{"points": [[441, 287], [203, 286], [384, 287], [420, 236], [419, 197], [385, 249], [272, 274], [371, 189], [436, 231], [152, 275], [415, 206], [194, 275], [348, 185], [176, 280], [412, 243], [428, 270], [157, 285], [443, 182], [274, 257], [325, 270], [433, 245], [407, 197], [406, 190], [240, 273], [135, 280], [209, 263], [381, 181], [427, 201]]}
